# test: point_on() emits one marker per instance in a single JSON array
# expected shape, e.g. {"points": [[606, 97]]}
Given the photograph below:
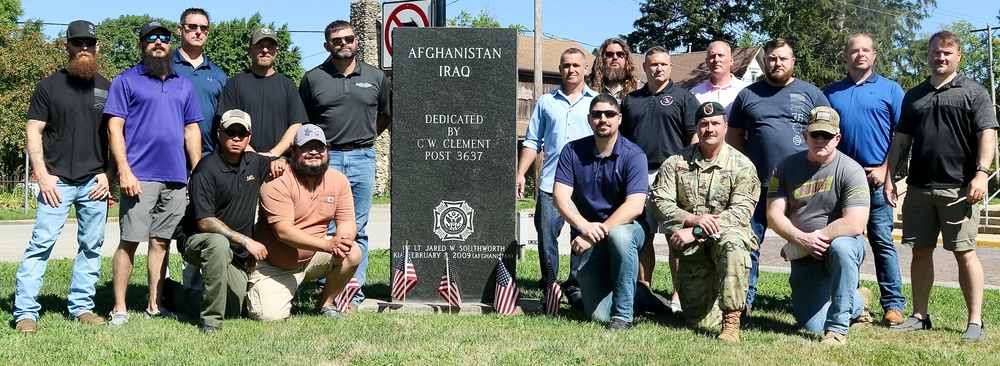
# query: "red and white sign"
{"points": [[413, 13]]}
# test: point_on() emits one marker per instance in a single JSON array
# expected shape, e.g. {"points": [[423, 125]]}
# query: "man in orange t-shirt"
{"points": [[296, 210]]}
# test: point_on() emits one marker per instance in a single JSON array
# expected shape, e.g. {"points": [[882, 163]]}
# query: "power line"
{"points": [[960, 16], [211, 29]]}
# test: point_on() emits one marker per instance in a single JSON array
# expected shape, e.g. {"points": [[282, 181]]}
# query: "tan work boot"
{"points": [[90, 318], [26, 325], [831, 338], [865, 318], [730, 327]]}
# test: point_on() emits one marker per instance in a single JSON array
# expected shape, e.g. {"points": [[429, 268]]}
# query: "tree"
{"points": [[675, 23], [482, 20], [10, 10]]}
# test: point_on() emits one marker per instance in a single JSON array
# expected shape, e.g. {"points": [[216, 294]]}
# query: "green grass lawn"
{"points": [[19, 214], [769, 336]]}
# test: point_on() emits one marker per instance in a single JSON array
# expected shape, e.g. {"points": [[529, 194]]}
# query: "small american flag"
{"points": [[506, 294], [405, 277], [553, 295], [345, 296], [448, 289]]}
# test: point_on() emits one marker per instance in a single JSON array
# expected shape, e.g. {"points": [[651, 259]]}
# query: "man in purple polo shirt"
{"points": [[153, 116]]}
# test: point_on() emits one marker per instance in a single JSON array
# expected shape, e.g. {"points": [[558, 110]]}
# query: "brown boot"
{"points": [[730, 327]]}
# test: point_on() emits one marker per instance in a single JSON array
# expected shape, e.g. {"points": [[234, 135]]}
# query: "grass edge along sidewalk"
{"points": [[769, 336]]}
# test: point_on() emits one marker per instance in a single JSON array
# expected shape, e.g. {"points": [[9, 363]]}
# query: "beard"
{"points": [[613, 74], [159, 66], [780, 78], [301, 168], [264, 63], [344, 54], [84, 68]]}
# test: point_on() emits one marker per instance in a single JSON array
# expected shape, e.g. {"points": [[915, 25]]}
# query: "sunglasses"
{"points": [[345, 39], [618, 54], [236, 133], [78, 42], [606, 114], [165, 38], [824, 135], [194, 27]]}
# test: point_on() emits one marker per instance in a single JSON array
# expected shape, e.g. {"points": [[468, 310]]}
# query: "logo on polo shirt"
{"points": [[667, 100], [250, 177], [363, 85]]}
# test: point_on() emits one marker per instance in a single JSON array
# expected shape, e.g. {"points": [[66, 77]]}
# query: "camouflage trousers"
{"points": [[710, 268]]}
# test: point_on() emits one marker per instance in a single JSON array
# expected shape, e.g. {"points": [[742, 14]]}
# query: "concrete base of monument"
{"points": [[525, 306]]}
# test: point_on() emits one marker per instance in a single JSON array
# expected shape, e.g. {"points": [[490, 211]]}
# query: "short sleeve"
{"points": [[276, 201]]}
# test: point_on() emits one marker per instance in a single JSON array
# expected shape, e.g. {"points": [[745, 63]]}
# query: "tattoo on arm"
{"points": [[214, 225]]}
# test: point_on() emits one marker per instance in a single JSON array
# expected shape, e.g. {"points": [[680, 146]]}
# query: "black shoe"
{"points": [[207, 329], [618, 324], [657, 303], [574, 297]]}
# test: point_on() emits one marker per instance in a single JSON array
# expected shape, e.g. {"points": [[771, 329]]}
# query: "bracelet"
{"points": [[246, 240]]}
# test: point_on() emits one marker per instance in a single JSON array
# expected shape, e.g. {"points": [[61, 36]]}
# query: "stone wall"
{"points": [[366, 16]]}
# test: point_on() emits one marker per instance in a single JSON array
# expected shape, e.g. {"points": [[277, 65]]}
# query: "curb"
{"points": [[982, 240]]}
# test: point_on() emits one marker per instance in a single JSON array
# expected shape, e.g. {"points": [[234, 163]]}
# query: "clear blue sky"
{"points": [[586, 21]]}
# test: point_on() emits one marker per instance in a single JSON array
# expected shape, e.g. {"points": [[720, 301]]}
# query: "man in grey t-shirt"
{"points": [[818, 200]]}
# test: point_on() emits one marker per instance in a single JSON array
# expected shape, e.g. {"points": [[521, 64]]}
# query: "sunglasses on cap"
{"points": [[79, 42], [165, 38], [345, 39], [618, 54], [236, 132], [824, 135], [194, 27], [607, 114]]}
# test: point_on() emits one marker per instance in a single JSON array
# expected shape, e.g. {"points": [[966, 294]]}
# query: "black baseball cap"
{"points": [[80, 29], [709, 109], [150, 27]]}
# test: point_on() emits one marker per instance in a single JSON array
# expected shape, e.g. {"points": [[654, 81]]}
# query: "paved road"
{"points": [[15, 236]]}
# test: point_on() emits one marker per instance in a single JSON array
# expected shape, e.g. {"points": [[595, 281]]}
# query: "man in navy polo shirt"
{"points": [[869, 107], [208, 78], [153, 116], [604, 177]]}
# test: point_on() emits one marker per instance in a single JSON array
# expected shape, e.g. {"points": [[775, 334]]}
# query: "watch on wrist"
{"points": [[246, 240], [982, 169], [697, 231]]}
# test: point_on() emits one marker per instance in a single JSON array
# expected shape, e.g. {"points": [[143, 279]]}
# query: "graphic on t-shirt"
{"points": [[813, 187], [799, 106], [100, 97], [453, 220]]}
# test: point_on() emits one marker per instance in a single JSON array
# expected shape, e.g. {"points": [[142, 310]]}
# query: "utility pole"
{"points": [[538, 49]]}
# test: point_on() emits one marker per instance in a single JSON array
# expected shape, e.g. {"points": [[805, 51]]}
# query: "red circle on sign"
{"points": [[394, 19]]}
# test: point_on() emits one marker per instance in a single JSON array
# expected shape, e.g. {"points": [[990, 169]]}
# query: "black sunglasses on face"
{"points": [[824, 135], [345, 39], [607, 114], [193, 27], [78, 42], [618, 54], [165, 38], [236, 133]]}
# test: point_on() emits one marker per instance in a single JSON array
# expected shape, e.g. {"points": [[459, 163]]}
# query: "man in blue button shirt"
{"points": [[560, 116], [869, 107], [208, 78]]}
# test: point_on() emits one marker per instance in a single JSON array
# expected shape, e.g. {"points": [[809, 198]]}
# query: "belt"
{"points": [[349, 147]]}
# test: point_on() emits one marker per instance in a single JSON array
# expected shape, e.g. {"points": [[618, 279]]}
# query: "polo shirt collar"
{"points": [[712, 86], [358, 65], [224, 165], [587, 91], [615, 151], [957, 82], [141, 68], [666, 90], [870, 80], [205, 64]]}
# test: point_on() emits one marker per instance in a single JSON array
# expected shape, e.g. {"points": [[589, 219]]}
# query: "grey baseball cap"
{"points": [[308, 133]]}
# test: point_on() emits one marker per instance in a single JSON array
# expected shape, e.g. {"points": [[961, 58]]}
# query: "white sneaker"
{"points": [[118, 318], [675, 306]]}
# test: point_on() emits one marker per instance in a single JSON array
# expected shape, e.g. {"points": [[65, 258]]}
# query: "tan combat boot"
{"points": [[730, 327]]}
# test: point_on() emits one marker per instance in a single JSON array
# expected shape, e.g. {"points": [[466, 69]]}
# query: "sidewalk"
{"points": [[17, 234]]}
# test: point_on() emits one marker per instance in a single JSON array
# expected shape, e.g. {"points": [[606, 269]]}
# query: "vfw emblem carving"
{"points": [[453, 220]]}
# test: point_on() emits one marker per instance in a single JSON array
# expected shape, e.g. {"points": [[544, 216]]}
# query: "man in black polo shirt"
{"points": [[658, 117], [950, 121], [267, 96], [224, 188], [349, 100], [67, 141]]}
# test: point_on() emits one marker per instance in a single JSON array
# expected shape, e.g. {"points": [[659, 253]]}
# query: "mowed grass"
{"points": [[770, 336]]}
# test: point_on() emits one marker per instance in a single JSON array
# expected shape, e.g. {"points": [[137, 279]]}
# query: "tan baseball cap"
{"points": [[235, 116], [824, 119]]}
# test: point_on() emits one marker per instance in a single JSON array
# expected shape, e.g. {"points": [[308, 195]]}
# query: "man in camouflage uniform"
{"points": [[704, 197]]}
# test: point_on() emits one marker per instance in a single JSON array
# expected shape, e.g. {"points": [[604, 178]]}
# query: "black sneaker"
{"points": [[207, 329], [618, 324], [974, 332], [914, 323], [574, 297]]}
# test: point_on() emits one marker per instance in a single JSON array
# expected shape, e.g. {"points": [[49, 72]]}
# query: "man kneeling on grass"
{"points": [[818, 200], [604, 177], [296, 210]]}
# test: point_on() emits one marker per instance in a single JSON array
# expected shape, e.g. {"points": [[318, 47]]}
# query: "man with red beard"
{"points": [[67, 144], [153, 116], [613, 71], [766, 123]]}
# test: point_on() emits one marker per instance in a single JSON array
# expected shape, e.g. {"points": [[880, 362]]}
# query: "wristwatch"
{"points": [[697, 232], [982, 169]]}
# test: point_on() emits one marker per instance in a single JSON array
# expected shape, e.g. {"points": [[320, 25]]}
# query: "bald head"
{"points": [[719, 59]]}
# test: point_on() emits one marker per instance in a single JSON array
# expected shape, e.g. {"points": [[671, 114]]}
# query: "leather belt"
{"points": [[349, 147]]}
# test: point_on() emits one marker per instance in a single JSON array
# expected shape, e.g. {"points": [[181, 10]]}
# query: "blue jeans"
{"points": [[91, 216], [824, 292], [607, 274], [890, 282], [359, 167], [758, 223], [548, 225]]}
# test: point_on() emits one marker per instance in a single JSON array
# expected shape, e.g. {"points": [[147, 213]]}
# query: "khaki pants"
{"points": [[273, 288]]}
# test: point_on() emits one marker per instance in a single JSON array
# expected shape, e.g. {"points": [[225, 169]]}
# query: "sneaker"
{"points": [[574, 297], [26, 325], [657, 303], [893, 317], [207, 329], [865, 318], [914, 323], [831, 338], [974, 332], [90, 318], [163, 313], [118, 318], [618, 324], [675, 306], [331, 312]]}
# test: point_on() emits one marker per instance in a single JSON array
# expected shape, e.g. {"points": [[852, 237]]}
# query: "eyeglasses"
{"points": [[165, 38], [345, 39], [236, 133], [618, 54], [606, 114], [824, 135], [193, 27], [78, 42]]}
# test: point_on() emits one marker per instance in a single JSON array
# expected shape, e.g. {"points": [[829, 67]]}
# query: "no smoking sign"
{"points": [[401, 14]]}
